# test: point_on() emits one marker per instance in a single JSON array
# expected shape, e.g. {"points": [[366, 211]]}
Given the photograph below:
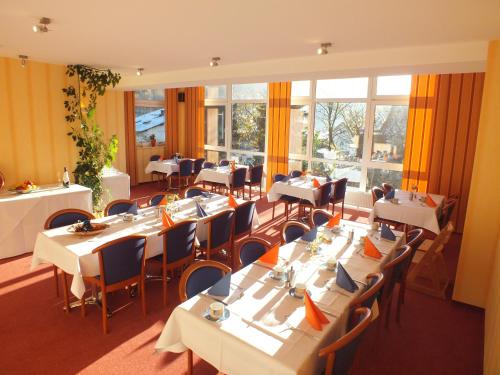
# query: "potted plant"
{"points": [[152, 138]]}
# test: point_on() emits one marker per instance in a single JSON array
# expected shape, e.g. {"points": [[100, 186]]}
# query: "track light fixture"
{"points": [[139, 71], [42, 26], [24, 60], [323, 49], [215, 61]]}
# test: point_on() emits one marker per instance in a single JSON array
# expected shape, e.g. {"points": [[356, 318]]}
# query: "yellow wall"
{"points": [[33, 140], [477, 282]]}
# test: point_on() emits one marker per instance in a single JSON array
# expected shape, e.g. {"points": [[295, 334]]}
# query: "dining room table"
{"points": [[115, 185], [299, 187], [167, 166], [72, 252], [265, 330], [220, 175], [411, 209]]}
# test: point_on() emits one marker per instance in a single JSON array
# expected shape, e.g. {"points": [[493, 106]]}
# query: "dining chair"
{"points": [[156, 173], [377, 193], [156, 199], [118, 206], [219, 234], [251, 249], [292, 230], [243, 219], [394, 271], [223, 163], [195, 279], [197, 166], [59, 219], [178, 249], [194, 191], [325, 192], [319, 217], [184, 174], [338, 194], [2, 180], [256, 173], [121, 264], [295, 173], [237, 183], [372, 291], [208, 165], [447, 211], [386, 187], [341, 353], [287, 200]]}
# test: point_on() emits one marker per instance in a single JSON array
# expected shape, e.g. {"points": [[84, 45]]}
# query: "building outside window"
{"points": [[149, 116]]}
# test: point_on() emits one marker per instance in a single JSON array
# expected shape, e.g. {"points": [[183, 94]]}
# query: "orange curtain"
{"points": [[443, 120], [279, 129], [130, 136], [172, 123], [195, 121]]}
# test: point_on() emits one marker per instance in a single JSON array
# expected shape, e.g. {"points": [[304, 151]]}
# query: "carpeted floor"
{"points": [[434, 337]]}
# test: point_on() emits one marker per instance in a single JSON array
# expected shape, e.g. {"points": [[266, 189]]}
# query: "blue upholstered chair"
{"points": [[184, 174], [220, 233], [194, 191], [118, 206], [340, 355], [156, 199], [372, 291], [323, 201], [208, 165], [251, 249], [292, 230], [156, 173], [256, 173], [377, 193], [386, 187], [197, 166], [237, 183], [287, 200], [121, 264], [319, 217], [223, 163], [243, 219], [295, 173], [338, 194], [178, 249], [61, 219]]}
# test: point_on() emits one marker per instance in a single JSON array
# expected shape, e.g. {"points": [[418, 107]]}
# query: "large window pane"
{"points": [[337, 171], [249, 126], [342, 88], [339, 131], [377, 176], [301, 89], [215, 92], [389, 133], [249, 91], [299, 120], [246, 159], [394, 85], [215, 119], [215, 156], [297, 165], [150, 94]]}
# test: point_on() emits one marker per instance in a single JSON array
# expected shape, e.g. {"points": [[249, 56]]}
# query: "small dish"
{"points": [[292, 293], [271, 276], [225, 315]]}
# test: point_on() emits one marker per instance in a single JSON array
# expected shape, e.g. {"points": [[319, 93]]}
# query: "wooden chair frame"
{"points": [[303, 204], [117, 286], [374, 196], [325, 212], [252, 184], [338, 200], [248, 232], [112, 203], [233, 189], [263, 242], [209, 250], [375, 288], [194, 188], [294, 223], [46, 226], [330, 350]]}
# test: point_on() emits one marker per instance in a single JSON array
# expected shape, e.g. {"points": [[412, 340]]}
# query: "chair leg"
{"points": [[104, 301], [56, 280], [82, 306], [250, 192], [190, 362], [342, 213], [164, 282], [66, 292], [274, 206], [260, 191], [143, 297], [286, 211]]}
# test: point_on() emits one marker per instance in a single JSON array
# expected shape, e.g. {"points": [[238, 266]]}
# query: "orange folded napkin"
{"points": [[232, 202], [304, 173], [316, 183], [371, 250], [163, 201], [166, 220], [429, 201], [314, 315], [335, 220], [271, 256]]}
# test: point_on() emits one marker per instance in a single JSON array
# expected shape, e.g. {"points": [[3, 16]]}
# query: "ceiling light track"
{"points": [[42, 26], [323, 49]]}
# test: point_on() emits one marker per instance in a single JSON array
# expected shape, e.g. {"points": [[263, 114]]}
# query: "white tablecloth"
{"points": [[255, 338], [163, 166], [412, 212], [73, 253], [221, 175], [116, 185], [22, 216], [299, 187]]}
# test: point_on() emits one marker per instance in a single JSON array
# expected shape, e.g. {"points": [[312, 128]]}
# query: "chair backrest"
{"points": [[320, 217], [339, 189], [208, 165], [239, 176], [67, 217], [197, 165], [154, 157], [256, 173], [121, 259], [374, 283], [377, 193], [244, 217], [178, 156], [441, 239], [185, 167], [386, 187], [178, 241], [251, 249], [200, 276], [341, 354], [295, 173], [194, 191], [279, 177], [156, 199], [325, 194], [396, 269], [414, 239], [447, 211], [223, 163], [221, 227], [292, 230], [117, 207]]}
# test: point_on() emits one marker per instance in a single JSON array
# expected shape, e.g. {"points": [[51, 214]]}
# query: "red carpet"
{"points": [[435, 336]]}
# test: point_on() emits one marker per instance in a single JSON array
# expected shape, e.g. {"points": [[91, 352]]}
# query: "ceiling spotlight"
{"points": [[42, 26], [215, 61], [24, 59], [139, 71], [323, 50]]}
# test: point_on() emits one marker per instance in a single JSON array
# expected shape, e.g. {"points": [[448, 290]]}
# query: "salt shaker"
{"points": [[351, 236], [290, 276]]}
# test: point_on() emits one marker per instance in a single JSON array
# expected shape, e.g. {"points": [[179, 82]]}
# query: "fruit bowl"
{"points": [[86, 228]]}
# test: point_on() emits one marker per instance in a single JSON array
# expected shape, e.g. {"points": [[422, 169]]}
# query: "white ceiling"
{"points": [[166, 35]]}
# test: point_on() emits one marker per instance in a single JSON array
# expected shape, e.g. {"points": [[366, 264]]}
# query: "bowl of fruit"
{"points": [[86, 228], [26, 187]]}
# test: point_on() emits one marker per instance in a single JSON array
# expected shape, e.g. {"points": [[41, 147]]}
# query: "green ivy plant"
{"points": [[93, 150]]}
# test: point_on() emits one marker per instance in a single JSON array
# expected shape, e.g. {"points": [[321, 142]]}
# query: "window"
{"points": [[215, 92], [149, 116], [342, 88], [393, 85], [299, 128], [389, 133], [215, 119], [250, 91], [248, 126]]}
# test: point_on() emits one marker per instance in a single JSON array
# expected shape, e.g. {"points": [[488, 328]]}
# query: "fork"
{"points": [[292, 328]]}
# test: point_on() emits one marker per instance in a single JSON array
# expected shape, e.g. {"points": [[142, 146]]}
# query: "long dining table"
{"points": [[266, 331], [73, 253]]}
